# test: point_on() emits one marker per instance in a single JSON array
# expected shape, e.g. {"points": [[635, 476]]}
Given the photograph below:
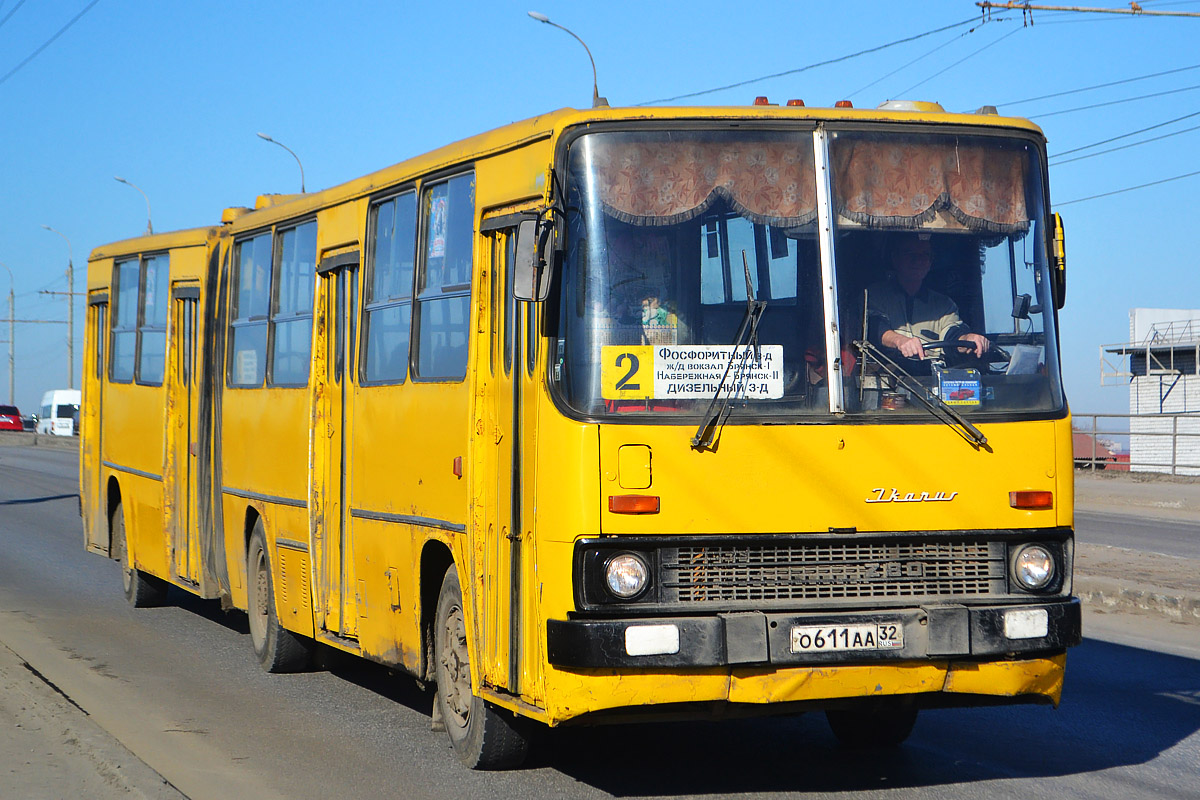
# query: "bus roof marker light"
{"points": [[597, 100], [795, 103], [843, 104], [762, 100]]}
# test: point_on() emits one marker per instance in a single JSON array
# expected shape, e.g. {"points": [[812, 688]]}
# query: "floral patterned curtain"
{"points": [[882, 183], [666, 182]]}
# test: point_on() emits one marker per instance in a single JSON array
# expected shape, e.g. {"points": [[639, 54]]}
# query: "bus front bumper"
{"points": [[745, 638]]}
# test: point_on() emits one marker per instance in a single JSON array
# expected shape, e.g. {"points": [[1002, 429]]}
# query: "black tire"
{"points": [[882, 725], [277, 648], [141, 590], [483, 735]]}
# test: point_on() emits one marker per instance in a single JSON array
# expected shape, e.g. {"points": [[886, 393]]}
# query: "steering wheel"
{"points": [[994, 354]]}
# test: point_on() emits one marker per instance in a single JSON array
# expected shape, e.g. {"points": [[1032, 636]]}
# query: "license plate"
{"points": [[835, 638]]}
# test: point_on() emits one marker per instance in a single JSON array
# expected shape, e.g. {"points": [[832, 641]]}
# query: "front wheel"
{"points": [[484, 736], [882, 725], [141, 590], [277, 648]]}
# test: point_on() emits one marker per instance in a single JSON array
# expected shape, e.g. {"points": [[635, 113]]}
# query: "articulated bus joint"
{"points": [[752, 638]]}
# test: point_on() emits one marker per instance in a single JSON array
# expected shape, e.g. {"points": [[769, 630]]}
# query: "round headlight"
{"points": [[1033, 567], [626, 575]]}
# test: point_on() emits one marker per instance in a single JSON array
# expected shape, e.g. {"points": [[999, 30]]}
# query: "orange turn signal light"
{"points": [[633, 503], [1031, 499]]}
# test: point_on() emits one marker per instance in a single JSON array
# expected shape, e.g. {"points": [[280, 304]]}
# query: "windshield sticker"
{"points": [[646, 372]]}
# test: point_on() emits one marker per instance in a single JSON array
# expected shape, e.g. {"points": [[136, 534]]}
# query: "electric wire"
{"points": [[11, 12], [817, 64], [961, 60], [1129, 188], [48, 42], [1126, 135], [1099, 86], [1126, 146], [947, 43], [1115, 102]]}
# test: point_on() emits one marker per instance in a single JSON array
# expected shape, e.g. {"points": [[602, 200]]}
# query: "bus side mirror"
{"points": [[531, 272], [1058, 263]]}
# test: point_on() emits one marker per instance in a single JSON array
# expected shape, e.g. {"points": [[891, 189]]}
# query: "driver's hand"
{"points": [[981, 343], [910, 346]]}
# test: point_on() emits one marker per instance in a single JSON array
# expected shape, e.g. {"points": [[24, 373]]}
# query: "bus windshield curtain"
{"points": [[773, 182]]}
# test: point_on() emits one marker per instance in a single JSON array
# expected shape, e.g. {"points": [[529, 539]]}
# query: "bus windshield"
{"points": [[939, 262]]}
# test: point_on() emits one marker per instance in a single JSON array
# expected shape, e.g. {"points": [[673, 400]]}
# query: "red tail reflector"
{"points": [[633, 503], [843, 104], [795, 102], [458, 466], [761, 100], [1031, 499]]}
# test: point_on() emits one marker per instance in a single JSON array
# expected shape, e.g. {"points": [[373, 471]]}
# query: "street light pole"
{"points": [[266, 138], [597, 100], [149, 226], [12, 341], [71, 305]]}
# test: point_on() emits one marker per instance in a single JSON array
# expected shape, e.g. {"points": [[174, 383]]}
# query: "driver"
{"points": [[905, 315]]}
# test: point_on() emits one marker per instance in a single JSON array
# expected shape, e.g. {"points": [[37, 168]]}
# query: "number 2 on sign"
{"points": [[627, 372]]}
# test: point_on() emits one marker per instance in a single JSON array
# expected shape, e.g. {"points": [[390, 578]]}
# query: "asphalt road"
{"points": [[179, 687], [1139, 532]]}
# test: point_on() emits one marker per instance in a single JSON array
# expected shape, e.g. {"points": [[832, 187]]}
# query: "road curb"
{"points": [[1116, 595]]}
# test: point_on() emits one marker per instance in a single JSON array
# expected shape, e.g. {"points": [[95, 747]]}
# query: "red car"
{"points": [[10, 419]]}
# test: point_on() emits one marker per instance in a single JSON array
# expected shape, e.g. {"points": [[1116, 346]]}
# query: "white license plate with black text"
{"points": [[836, 638]]}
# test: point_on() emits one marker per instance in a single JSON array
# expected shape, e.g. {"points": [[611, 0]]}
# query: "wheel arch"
{"points": [[436, 560]]}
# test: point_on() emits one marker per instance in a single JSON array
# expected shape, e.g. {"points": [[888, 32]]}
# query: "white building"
{"points": [[1161, 362]]}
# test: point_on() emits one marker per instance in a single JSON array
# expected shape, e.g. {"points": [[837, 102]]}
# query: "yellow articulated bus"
{"points": [[616, 414]]}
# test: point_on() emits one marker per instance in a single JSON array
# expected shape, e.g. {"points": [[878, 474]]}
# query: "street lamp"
{"points": [[71, 304], [266, 138], [12, 341], [149, 227], [597, 100]]}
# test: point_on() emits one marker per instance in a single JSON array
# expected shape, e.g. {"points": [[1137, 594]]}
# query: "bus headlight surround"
{"points": [[626, 575], [1033, 567]]}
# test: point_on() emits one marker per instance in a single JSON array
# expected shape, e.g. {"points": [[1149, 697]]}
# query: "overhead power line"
{"points": [[903, 67], [1129, 189], [813, 66], [10, 13], [1099, 86], [961, 60], [1126, 146], [1126, 135], [1115, 102], [48, 42], [1135, 10]]}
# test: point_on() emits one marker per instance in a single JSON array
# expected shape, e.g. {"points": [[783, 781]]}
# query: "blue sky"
{"points": [[170, 95]]}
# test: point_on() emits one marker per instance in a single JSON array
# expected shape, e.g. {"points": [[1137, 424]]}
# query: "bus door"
{"points": [[509, 547], [91, 431], [183, 405], [333, 380]]}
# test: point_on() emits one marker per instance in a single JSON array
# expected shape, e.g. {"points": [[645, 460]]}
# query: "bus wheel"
{"points": [[484, 736], [277, 648], [141, 590], [884, 725]]}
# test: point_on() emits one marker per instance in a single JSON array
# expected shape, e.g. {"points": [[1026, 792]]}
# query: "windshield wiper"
{"points": [[715, 416], [934, 404]]}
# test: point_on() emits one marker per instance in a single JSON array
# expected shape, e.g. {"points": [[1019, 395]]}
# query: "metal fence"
{"points": [[1164, 443]]}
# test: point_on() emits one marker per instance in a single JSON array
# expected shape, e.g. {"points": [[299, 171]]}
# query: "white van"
{"points": [[60, 412]]}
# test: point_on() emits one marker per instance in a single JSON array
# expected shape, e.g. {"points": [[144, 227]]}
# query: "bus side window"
{"points": [[124, 328], [251, 300], [391, 250], [443, 303], [292, 318]]}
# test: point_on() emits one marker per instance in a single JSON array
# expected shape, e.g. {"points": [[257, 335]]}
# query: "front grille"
{"points": [[832, 571]]}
